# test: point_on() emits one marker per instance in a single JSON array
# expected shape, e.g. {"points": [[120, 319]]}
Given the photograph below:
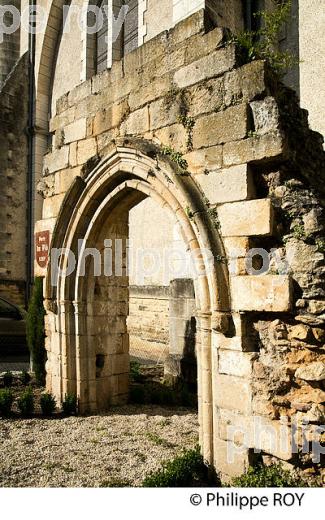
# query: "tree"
{"points": [[36, 332]]}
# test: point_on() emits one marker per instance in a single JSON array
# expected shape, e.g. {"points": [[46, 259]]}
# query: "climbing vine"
{"points": [[175, 156]]}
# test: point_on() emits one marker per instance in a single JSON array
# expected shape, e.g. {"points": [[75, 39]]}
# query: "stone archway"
{"points": [[95, 206]]}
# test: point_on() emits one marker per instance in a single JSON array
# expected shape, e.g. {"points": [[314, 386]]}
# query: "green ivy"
{"points": [[176, 157]]}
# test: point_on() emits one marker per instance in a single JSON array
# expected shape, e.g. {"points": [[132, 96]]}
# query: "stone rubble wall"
{"points": [[259, 167], [13, 182]]}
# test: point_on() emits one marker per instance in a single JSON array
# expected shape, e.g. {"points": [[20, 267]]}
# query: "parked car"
{"points": [[12, 331]]}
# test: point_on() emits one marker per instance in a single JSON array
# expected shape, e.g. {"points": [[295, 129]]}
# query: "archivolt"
{"points": [[89, 202]]}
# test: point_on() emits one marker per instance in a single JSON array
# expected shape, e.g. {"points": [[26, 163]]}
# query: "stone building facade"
{"points": [[225, 154]]}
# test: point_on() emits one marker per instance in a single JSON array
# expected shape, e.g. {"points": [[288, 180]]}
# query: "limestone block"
{"points": [[52, 205], [206, 159], [245, 83], [227, 390], [86, 149], [64, 179], [229, 459], [80, 92], [137, 122], [120, 364], [73, 161], [163, 115], [229, 125], [301, 332], [147, 93], [270, 293], [75, 131], [312, 372], [254, 149], [229, 185], [219, 341], [207, 67], [58, 160], [110, 118], [266, 115], [206, 97], [174, 136], [260, 433], [248, 218], [236, 363]]}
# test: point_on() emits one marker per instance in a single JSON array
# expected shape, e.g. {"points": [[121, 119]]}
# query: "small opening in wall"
{"points": [[100, 363]]}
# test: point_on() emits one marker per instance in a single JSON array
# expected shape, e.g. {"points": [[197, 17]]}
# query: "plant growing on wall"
{"points": [[262, 44], [35, 331]]}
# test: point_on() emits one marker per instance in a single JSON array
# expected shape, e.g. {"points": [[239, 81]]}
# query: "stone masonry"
{"points": [[226, 149]]}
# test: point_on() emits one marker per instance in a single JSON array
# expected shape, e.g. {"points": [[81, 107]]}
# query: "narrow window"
{"points": [[102, 39]]}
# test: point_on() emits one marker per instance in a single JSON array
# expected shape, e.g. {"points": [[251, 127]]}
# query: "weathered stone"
{"points": [[204, 160], [206, 97], [75, 131], [245, 84], [252, 149], [301, 332], [86, 149], [313, 372], [261, 293], [265, 115], [319, 334], [229, 185], [57, 161], [228, 388], [315, 414], [137, 122], [249, 218], [236, 363], [207, 67], [221, 127]]}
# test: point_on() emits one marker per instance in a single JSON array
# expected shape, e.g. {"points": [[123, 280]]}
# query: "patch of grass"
{"points": [[6, 400], [159, 441], [137, 395], [8, 379], [48, 404], [268, 476], [69, 404], [135, 372], [25, 378], [26, 402], [115, 482], [186, 470], [320, 244], [165, 422]]}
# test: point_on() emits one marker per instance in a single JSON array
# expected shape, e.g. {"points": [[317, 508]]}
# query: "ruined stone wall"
{"points": [[9, 45], [259, 169], [148, 322], [13, 182]]}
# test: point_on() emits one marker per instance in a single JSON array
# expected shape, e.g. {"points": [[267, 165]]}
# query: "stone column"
{"points": [[181, 362]]}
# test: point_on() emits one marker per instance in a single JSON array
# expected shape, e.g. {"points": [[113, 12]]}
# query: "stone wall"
{"points": [[148, 323], [9, 45], [13, 182], [229, 150]]}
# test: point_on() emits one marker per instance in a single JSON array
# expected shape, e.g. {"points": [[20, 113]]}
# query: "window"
{"points": [[112, 43], [102, 39]]}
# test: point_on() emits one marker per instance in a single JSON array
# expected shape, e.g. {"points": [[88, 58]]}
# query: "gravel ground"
{"points": [[116, 449]]}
